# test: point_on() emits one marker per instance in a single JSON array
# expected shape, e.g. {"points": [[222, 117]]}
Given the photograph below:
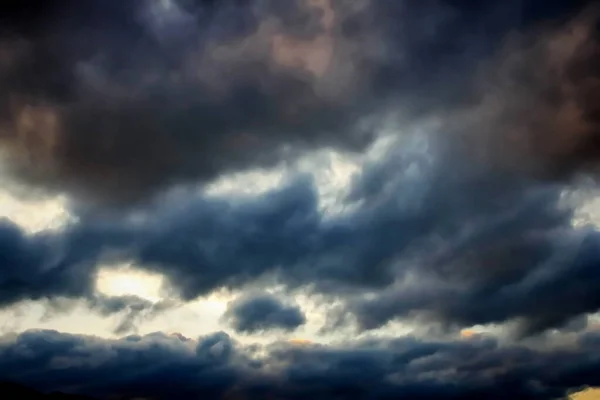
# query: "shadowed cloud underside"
{"points": [[363, 199]]}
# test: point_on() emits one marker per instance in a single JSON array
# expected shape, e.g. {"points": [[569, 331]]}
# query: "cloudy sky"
{"points": [[300, 199]]}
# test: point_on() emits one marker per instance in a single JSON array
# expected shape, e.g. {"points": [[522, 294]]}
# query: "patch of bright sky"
{"points": [[129, 281], [588, 214], [33, 315], [332, 172], [34, 215]]}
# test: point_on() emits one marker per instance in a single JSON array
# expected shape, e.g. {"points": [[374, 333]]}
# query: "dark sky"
{"points": [[131, 110]]}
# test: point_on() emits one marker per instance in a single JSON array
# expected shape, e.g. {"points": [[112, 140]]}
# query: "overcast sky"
{"points": [[300, 199]]}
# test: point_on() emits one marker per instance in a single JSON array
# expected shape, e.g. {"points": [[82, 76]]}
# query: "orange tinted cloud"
{"points": [[300, 342], [467, 333]]}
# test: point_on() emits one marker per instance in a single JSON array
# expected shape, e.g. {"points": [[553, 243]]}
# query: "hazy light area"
{"points": [[588, 213], [129, 281], [34, 215], [332, 172]]}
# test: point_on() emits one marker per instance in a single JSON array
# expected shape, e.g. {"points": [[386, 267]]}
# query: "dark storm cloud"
{"points": [[471, 226], [31, 267], [116, 102], [161, 366], [524, 100], [258, 312], [537, 103], [442, 242], [481, 240], [128, 100], [48, 267], [470, 247], [540, 283]]}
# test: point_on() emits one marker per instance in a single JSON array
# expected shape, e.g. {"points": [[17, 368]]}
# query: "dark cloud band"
{"points": [[166, 367]]}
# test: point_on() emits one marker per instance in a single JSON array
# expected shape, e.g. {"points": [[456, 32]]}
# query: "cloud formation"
{"points": [[118, 104], [182, 95], [262, 312], [471, 248], [467, 218], [162, 366]]}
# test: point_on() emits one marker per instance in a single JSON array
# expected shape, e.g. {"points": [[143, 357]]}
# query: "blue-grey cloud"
{"points": [[462, 248], [161, 366], [471, 228], [258, 312]]}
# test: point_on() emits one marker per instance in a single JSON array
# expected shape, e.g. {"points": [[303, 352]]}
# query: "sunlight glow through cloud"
{"points": [[35, 215], [126, 281], [332, 171]]}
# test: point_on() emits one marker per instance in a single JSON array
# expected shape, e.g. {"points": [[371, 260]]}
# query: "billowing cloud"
{"points": [[161, 366], [116, 105], [35, 268], [258, 312], [467, 218], [461, 249], [535, 103]]}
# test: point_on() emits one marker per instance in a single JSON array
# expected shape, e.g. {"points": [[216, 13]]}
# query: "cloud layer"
{"points": [[463, 250], [182, 95], [117, 104], [474, 128], [163, 366]]}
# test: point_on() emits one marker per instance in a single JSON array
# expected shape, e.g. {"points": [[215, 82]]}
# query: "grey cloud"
{"points": [[534, 103], [472, 228], [489, 249], [116, 104], [453, 244], [497, 235], [257, 312], [134, 114], [44, 267], [132, 310], [162, 366], [31, 266]]}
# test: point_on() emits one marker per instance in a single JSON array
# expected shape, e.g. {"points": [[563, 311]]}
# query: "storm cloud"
{"points": [[474, 133], [462, 249], [163, 366], [115, 103], [262, 312]]}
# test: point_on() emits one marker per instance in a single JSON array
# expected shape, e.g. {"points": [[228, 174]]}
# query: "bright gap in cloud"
{"points": [[129, 281], [588, 214], [213, 305], [331, 170], [34, 215]]}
